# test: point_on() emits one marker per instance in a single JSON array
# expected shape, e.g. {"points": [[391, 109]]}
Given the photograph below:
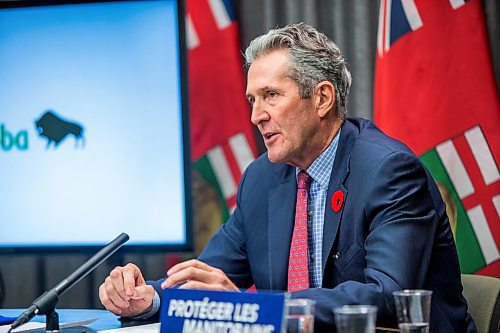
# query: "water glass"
{"points": [[299, 315], [355, 318], [413, 308]]}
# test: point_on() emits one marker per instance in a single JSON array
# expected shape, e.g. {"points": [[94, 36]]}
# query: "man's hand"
{"points": [[125, 292], [194, 274]]}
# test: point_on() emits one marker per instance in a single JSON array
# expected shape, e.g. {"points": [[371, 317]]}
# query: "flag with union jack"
{"points": [[221, 133], [435, 91]]}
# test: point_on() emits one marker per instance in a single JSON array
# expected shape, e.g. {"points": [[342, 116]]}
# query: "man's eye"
{"points": [[272, 94], [251, 100]]}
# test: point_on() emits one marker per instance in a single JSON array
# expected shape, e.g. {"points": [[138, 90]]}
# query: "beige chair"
{"points": [[483, 296]]}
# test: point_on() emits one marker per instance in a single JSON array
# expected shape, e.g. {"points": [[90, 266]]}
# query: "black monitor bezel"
{"points": [[153, 247]]}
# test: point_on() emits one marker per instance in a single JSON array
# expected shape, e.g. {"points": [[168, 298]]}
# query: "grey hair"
{"points": [[314, 58]]}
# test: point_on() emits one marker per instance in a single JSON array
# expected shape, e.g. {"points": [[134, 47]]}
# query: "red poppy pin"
{"points": [[337, 200]]}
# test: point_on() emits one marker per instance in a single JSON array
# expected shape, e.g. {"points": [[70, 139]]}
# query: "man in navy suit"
{"points": [[376, 221]]}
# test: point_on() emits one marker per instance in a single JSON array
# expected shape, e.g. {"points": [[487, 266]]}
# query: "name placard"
{"points": [[201, 311]]}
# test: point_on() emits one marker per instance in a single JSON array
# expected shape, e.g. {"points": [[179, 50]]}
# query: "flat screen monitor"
{"points": [[93, 126]]}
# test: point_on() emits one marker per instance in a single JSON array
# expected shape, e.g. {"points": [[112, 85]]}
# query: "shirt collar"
{"points": [[321, 169]]}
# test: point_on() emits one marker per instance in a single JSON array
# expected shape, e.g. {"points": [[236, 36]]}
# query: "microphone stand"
{"points": [[46, 303]]}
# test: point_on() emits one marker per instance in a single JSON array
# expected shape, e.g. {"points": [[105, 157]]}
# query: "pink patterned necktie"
{"points": [[298, 268]]}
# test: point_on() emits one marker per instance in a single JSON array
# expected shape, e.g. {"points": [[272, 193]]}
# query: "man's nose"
{"points": [[259, 114]]}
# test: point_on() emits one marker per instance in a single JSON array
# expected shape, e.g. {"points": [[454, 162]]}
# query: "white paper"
{"points": [[22, 328], [31, 326], [150, 328]]}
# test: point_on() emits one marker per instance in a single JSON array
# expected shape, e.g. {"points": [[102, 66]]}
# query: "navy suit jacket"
{"points": [[391, 232]]}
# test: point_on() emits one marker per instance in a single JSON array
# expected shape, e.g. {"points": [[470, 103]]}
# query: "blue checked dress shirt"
{"points": [[320, 171]]}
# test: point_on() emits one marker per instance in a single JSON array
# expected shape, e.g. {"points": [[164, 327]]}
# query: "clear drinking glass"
{"points": [[413, 308], [299, 315], [355, 318]]}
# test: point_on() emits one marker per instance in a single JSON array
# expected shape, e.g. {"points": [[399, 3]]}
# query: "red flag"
{"points": [[435, 91], [221, 133]]}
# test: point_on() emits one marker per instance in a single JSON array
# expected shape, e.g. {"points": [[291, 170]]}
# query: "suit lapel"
{"points": [[340, 172], [281, 208]]}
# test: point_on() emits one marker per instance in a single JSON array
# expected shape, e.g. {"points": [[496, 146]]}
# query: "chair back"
{"points": [[483, 296]]}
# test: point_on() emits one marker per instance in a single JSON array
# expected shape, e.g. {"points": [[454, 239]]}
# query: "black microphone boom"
{"points": [[46, 303], [91, 264]]}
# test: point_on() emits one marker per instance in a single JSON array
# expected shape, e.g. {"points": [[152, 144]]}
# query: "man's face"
{"points": [[288, 124]]}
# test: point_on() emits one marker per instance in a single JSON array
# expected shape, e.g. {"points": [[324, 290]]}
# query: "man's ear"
{"points": [[324, 95]]}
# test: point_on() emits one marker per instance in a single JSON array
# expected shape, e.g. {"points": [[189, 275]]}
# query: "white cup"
{"points": [[355, 318], [299, 315], [413, 308]]}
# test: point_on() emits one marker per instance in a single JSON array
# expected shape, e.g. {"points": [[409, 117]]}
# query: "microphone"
{"points": [[48, 300]]}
